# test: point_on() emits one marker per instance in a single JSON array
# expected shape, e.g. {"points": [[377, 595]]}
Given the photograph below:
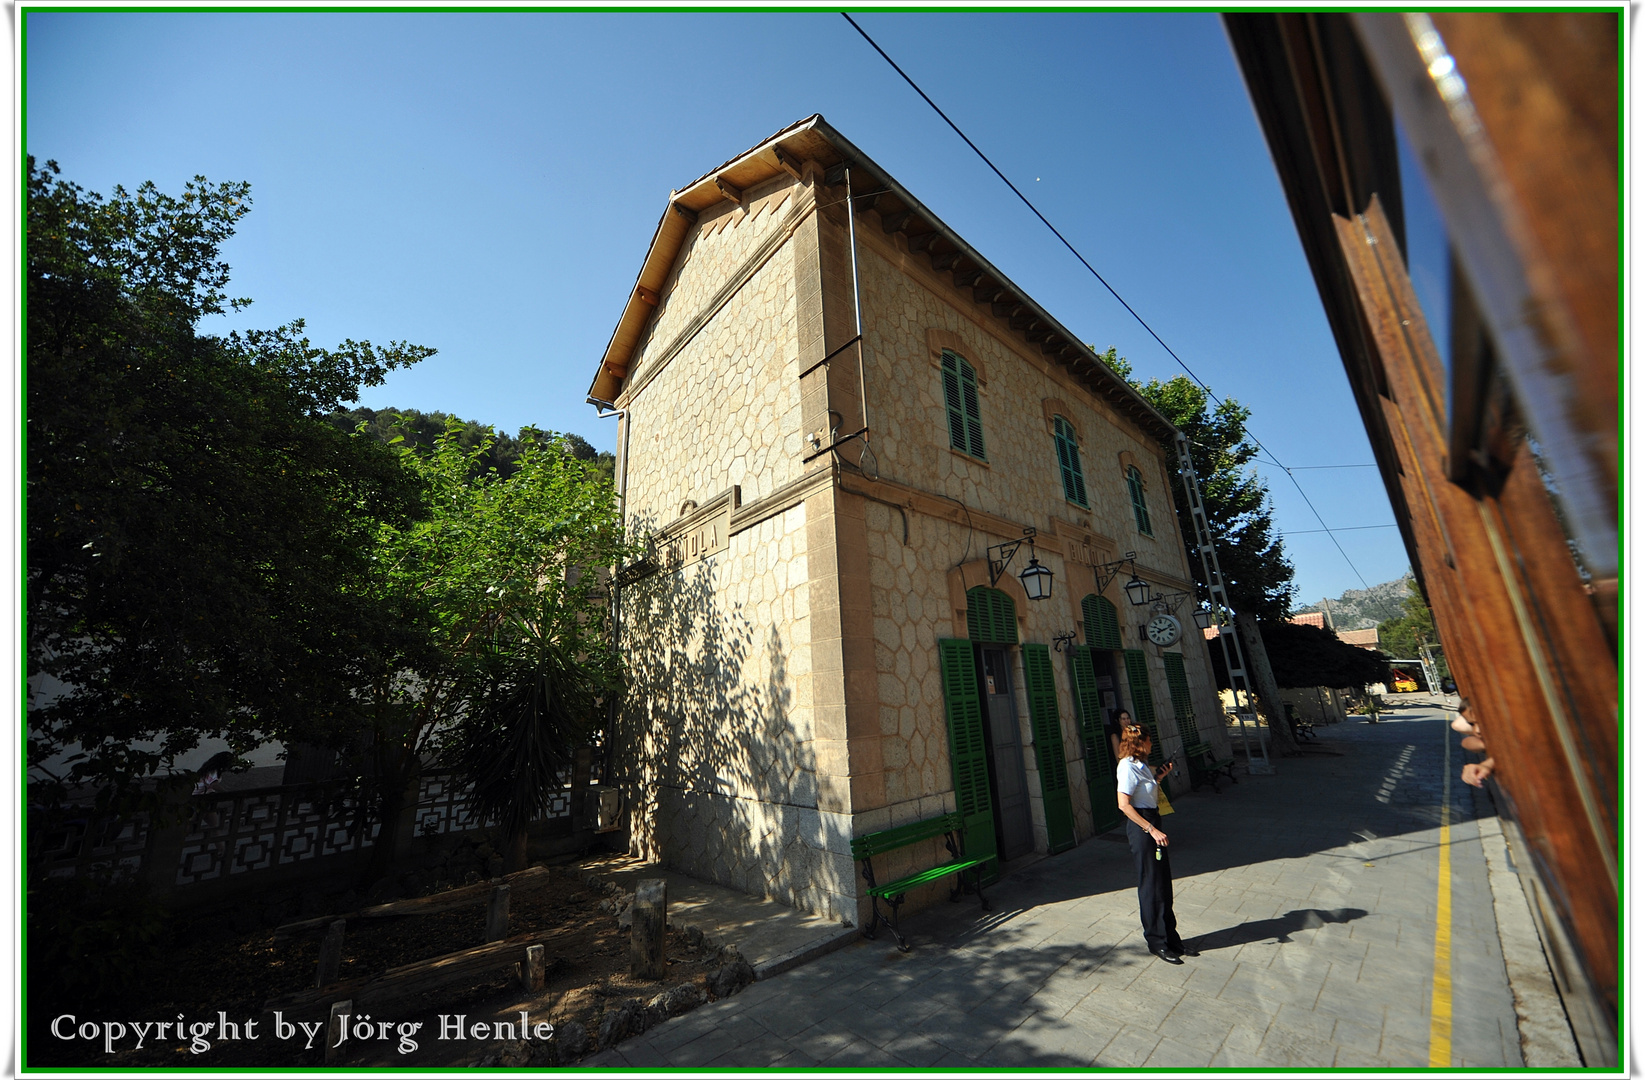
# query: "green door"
{"points": [[1048, 749], [967, 746], [1099, 766], [1142, 701], [1182, 699]]}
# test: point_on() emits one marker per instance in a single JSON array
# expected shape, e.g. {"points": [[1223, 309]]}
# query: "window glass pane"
{"points": [[1427, 248], [1139, 501]]}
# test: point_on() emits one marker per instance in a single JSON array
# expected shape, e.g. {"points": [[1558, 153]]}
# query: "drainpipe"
{"points": [[606, 411], [856, 302]]}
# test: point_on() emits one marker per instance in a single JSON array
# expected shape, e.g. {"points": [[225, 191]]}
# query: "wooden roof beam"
{"points": [[730, 191], [894, 222], [790, 164]]}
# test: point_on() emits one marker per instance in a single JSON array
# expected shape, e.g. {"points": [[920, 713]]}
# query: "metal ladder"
{"points": [[1233, 653]]}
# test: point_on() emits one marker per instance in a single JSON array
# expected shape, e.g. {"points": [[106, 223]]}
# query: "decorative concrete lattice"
{"points": [[244, 832]]}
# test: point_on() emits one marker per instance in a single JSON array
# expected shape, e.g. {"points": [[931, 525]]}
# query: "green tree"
{"points": [[1304, 655], [506, 577], [198, 538], [1255, 569], [1404, 638], [420, 429]]}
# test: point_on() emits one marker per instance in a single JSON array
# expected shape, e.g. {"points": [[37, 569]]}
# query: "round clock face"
{"points": [[1164, 630]]}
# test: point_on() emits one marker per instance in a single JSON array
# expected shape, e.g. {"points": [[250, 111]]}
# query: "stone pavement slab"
{"points": [[1311, 895]]}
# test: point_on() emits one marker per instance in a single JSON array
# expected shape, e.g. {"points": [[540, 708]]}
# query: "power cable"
{"points": [[1299, 468], [1140, 320], [1340, 528]]}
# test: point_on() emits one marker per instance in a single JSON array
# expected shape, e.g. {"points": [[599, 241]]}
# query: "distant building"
{"points": [[1365, 639]]}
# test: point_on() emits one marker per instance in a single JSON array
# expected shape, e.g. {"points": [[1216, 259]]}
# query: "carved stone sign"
{"points": [[707, 532]]}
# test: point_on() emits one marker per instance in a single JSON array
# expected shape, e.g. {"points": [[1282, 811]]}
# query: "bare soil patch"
{"points": [[210, 969]]}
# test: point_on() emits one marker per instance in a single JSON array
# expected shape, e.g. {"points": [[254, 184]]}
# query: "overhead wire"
{"points": [[1114, 292]]}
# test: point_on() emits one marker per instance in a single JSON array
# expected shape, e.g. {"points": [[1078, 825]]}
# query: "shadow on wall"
{"points": [[723, 785]]}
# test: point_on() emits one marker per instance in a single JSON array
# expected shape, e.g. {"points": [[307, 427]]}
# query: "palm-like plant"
{"points": [[529, 709]]}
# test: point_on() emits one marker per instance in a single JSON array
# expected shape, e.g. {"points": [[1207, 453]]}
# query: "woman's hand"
{"points": [[1161, 839], [1164, 770]]}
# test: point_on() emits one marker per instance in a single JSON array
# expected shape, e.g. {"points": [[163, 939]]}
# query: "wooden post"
{"points": [[497, 914], [331, 954], [581, 770], [534, 971], [648, 939], [337, 1029]]}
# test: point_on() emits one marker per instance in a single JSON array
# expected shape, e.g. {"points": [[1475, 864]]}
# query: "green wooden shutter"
{"points": [[1142, 700], [1048, 750], [1068, 457], [973, 411], [967, 747], [990, 616], [951, 396], [959, 391], [1099, 768], [1102, 622], [1182, 702]]}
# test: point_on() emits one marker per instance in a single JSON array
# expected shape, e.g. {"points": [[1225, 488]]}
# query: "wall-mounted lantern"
{"points": [[1036, 578]]}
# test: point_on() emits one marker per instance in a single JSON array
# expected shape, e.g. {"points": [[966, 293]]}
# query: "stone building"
{"points": [[818, 650]]}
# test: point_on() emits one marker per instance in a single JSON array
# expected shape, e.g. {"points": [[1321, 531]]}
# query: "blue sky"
{"points": [[487, 184]]}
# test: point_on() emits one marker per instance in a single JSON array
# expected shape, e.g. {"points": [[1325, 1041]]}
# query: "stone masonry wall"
{"points": [[722, 407], [910, 313], [720, 721]]}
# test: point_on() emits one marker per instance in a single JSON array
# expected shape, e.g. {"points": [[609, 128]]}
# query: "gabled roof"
{"points": [[813, 139]]}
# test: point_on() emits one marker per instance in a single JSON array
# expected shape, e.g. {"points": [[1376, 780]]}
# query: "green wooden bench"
{"points": [[950, 828], [1204, 766]]}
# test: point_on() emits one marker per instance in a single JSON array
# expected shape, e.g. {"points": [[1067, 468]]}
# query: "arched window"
{"points": [[959, 390], [1139, 500], [1068, 457]]}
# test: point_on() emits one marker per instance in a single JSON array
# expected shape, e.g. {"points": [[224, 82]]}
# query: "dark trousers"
{"points": [[1159, 922]]}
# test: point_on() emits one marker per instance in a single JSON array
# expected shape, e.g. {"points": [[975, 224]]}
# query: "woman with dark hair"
{"points": [[1138, 793], [1115, 729]]}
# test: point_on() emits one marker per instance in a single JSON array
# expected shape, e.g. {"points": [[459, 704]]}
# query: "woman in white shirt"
{"points": [[1138, 793]]}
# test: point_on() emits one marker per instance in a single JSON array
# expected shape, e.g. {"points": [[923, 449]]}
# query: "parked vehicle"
{"points": [[1404, 684]]}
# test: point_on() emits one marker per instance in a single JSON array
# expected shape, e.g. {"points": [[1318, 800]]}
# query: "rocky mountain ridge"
{"points": [[1361, 609]]}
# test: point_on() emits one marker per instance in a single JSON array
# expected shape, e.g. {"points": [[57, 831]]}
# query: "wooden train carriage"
{"points": [[1502, 470]]}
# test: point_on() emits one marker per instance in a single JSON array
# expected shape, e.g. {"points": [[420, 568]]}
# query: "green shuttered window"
{"points": [[1102, 622], [1068, 457], [959, 390], [967, 747], [1139, 500], [990, 616], [1099, 768], [1182, 702], [1048, 749], [1142, 700]]}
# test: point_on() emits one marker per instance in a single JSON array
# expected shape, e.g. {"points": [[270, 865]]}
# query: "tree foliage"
{"points": [[420, 430], [1255, 568], [1303, 655], [198, 537], [504, 574], [1404, 637]]}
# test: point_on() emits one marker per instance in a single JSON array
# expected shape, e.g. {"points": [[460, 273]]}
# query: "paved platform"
{"points": [[771, 937], [1311, 894]]}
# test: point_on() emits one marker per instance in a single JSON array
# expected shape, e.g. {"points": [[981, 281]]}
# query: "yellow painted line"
{"points": [[1439, 1024]]}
